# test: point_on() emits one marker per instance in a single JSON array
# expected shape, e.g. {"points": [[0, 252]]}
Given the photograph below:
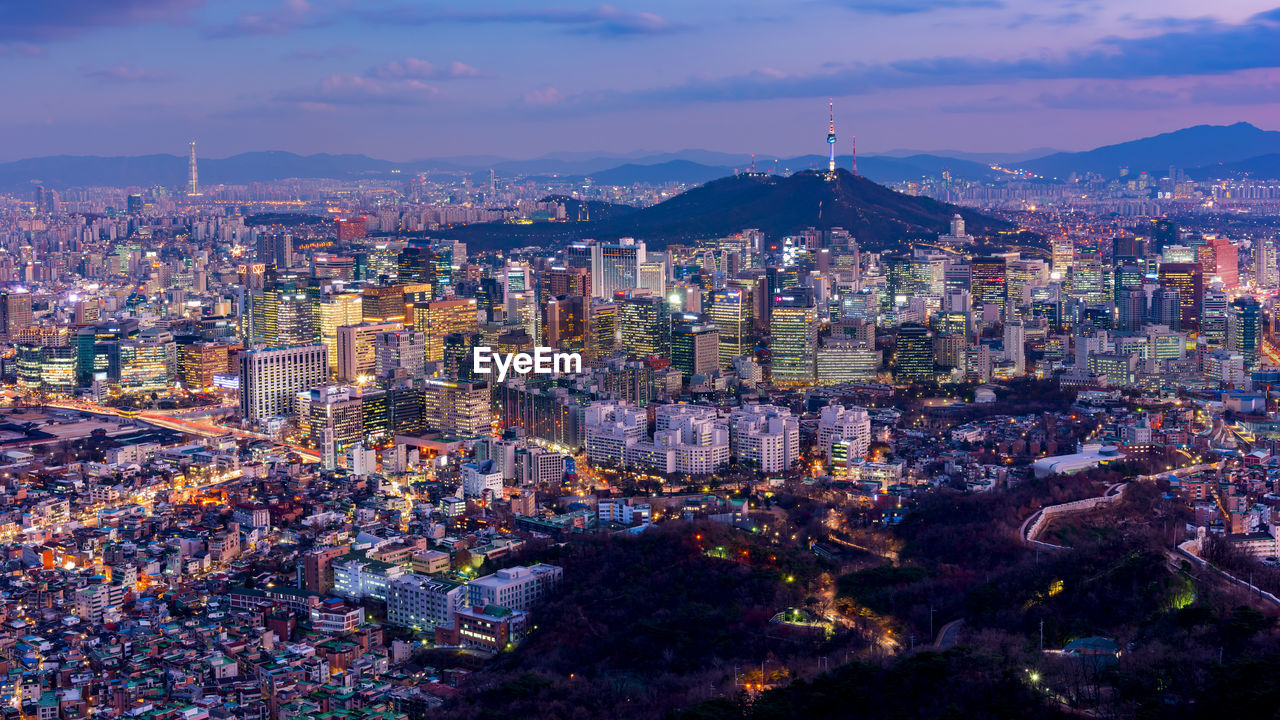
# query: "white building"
{"points": [[355, 577], [765, 437], [852, 424], [423, 602], [478, 478], [270, 380], [516, 588]]}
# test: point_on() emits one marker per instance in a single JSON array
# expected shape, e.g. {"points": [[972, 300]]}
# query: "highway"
{"points": [[193, 427]]}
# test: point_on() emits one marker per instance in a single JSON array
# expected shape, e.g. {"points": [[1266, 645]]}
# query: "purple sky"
{"points": [[406, 79]]}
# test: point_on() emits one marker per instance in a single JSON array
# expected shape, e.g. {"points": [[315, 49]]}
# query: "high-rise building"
{"points": [[357, 357], [616, 266], [1166, 307], [15, 311], [1188, 280], [565, 322], [913, 354], [1244, 329], [988, 282], [1265, 273], [198, 362], [1131, 309], [558, 280], [695, 348], [400, 353], [1220, 261], [457, 409], [438, 318], [271, 379], [793, 330], [1214, 311], [602, 333], [333, 312], [1015, 346], [644, 324], [731, 313], [383, 303]]}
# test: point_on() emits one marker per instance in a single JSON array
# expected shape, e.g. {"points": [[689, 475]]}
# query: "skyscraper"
{"points": [[1188, 280], [988, 283], [695, 348], [438, 318], [333, 312], [616, 266], [193, 179], [913, 354], [644, 324], [270, 380], [731, 313], [1244, 329], [793, 330]]}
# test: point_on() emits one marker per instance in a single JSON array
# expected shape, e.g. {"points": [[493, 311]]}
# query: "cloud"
{"points": [[1261, 92], [125, 73], [914, 7], [989, 105], [45, 20], [601, 20], [292, 15], [350, 89], [422, 69], [543, 97], [1109, 97], [1217, 49], [336, 52]]}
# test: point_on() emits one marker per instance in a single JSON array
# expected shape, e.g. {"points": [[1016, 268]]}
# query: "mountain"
{"points": [[1263, 167], [775, 204], [680, 171], [1202, 145]]}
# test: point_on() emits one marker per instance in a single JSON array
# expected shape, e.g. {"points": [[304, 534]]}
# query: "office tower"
{"points": [[351, 228], [1131, 309], [1214, 311], [652, 276], [1128, 276], [457, 409], [133, 204], [616, 266], [644, 324], [382, 304], [695, 348], [271, 379], [565, 322], [731, 313], [1166, 308], [490, 296], [558, 280], [913, 354], [400, 353], [93, 346], [522, 310], [602, 334], [1086, 282], [958, 276], [459, 356], [417, 265], [793, 330], [198, 362], [1265, 273], [331, 418], [357, 357], [1015, 342], [988, 282], [275, 250], [900, 279], [438, 318], [1187, 279], [1244, 330], [1220, 261], [332, 312], [15, 311], [1125, 247]]}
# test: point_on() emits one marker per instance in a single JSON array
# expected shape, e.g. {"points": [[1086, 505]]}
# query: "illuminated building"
{"points": [[844, 360], [198, 362], [1188, 280], [145, 365], [764, 437], [557, 281], [1244, 329], [270, 380], [383, 304], [399, 354], [644, 324], [331, 418], [988, 283], [616, 266], [333, 312], [731, 313], [438, 318], [351, 228], [793, 329], [695, 349], [459, 356], [602, 323], [15, 311], [93, 348], [913, 354], [1220, 260], [357, 356], [457, 409], [566, 322], [1214, 310]]}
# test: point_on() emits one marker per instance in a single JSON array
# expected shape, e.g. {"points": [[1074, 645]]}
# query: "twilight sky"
{"points": [[404, 79]]}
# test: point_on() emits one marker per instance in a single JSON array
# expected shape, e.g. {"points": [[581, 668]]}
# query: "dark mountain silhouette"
{"points": [[777, 205], [1262, 167], [1199, 146]]}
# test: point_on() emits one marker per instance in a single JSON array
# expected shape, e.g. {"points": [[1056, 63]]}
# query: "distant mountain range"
{"points": [[775, 204], [1203, 151]]}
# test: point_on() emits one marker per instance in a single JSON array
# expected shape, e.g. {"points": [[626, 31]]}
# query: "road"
{"points": [[193, 427], [949, 635]]}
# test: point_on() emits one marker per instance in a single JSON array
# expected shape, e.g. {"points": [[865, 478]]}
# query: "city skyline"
{"points": [[407, 82]]}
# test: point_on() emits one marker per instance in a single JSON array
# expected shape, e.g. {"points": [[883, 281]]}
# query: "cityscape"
{"points": [[405, 400]]}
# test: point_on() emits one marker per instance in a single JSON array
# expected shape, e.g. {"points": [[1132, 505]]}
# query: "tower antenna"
{"points": [[853, 147], [831, 134]]}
